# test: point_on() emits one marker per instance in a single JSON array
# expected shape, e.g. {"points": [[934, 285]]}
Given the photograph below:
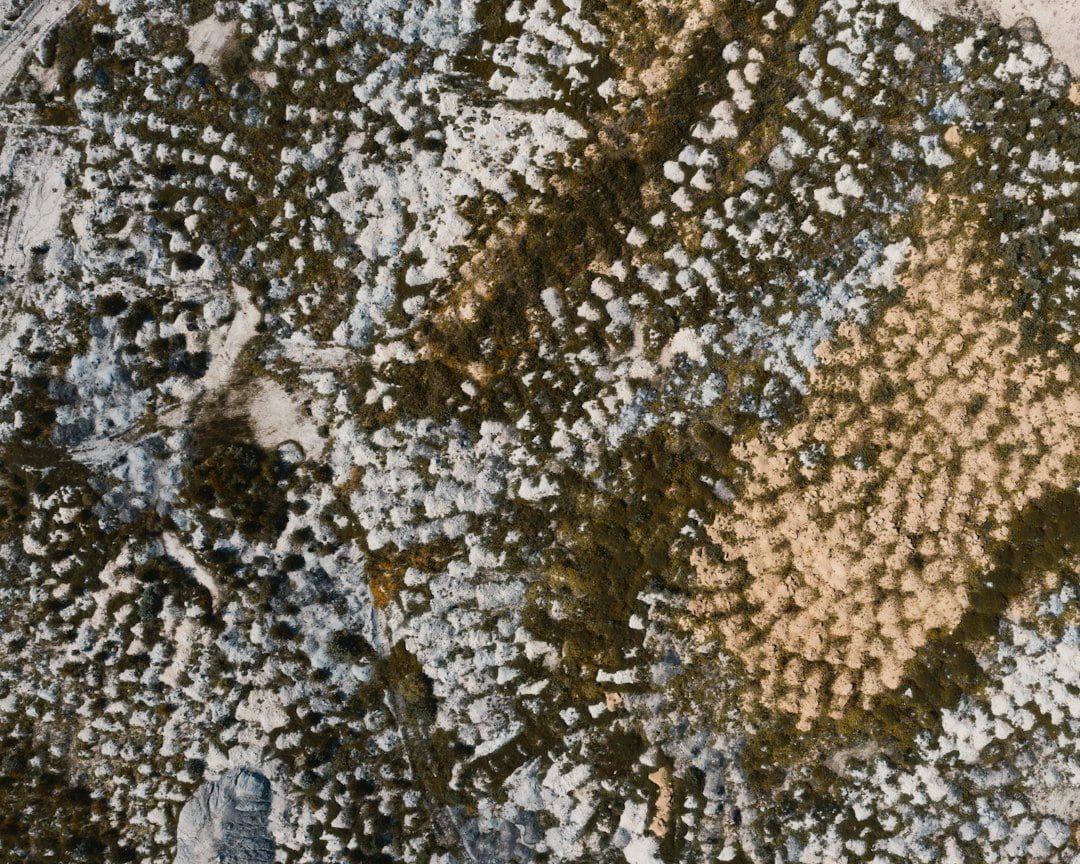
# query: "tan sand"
{"points": [[935, 424], [661, 821], [669, 45]]}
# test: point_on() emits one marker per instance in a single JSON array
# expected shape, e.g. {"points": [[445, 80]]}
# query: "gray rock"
{"points": [[74, 433], [225, 822], [63, 391]]}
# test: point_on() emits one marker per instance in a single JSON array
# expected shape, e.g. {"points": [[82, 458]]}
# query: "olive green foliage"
{"points": [[618, 530], [45, 811], [164, 579]]}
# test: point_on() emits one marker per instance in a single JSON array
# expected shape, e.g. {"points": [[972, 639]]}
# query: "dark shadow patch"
{"points": [[231, 472]]}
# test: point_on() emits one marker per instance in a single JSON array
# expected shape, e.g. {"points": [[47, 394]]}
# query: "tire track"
{"points": [[22, 38]]}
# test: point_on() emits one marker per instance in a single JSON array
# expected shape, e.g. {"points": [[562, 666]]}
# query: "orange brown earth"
{"points": [[858, 530]]}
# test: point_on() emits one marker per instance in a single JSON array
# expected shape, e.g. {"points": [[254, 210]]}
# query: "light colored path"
{"points": [[33, 214], [23, 36], [182, 554]]}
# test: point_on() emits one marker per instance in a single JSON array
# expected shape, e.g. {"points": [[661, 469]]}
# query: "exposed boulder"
{"points": [[225, 822]]}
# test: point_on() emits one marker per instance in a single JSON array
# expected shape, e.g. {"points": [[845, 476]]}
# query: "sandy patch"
{"points": [[671, 47], [276, 416], [1058, 21], [183, 644], [318, 357], [47, 78], [25, 32], [116, 579], [265, 79], [34, 164], [264, 708], [859, 527], [225, 347]]}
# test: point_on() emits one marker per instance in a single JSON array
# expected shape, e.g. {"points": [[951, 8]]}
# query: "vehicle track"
{"points": [[15, 43]]}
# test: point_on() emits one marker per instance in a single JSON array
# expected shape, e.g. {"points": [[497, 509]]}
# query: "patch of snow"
{"points": [[207, 39], [277, 416]]}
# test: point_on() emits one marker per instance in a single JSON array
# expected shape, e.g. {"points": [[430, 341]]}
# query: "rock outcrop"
{"points": [[225, 822]]}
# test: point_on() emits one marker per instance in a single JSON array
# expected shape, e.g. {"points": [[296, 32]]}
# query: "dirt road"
{"points": [[23, 36]]}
